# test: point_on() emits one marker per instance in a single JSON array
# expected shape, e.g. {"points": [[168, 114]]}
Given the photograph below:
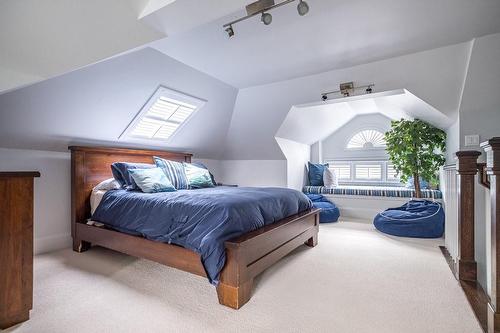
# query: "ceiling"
{"points": [[176, 16], [335, 34], [43, 39], [309, 123]]}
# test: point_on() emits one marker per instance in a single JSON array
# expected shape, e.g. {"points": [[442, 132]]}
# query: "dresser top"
{"points": [[20, 174]]}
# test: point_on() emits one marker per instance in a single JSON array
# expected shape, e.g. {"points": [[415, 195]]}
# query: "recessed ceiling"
{"points": [[309, 123], [335, 34]]}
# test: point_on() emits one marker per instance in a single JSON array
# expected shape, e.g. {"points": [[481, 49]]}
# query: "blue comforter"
{"points": [[200, 220]]}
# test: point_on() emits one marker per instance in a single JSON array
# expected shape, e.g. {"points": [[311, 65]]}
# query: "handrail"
{"points": [[483, 178], [492, 149]]}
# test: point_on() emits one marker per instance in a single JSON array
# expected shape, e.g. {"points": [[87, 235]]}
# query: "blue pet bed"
{"points": [[416, 218], [329, 212]]}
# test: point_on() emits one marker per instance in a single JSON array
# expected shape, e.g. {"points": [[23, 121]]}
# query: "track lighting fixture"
{"points": [[302, 8], [266, 18], [347, 89], [263, 7], [230, 31]]}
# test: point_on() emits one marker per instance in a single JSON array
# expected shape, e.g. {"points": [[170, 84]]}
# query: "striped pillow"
{"points": [[174, 171]]}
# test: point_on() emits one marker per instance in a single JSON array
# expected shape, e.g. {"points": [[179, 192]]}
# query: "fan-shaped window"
{"points": [[367, 139]]}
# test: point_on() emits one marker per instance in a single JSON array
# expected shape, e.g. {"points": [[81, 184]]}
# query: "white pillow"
{"points": [[106, 185], [330, 178]]}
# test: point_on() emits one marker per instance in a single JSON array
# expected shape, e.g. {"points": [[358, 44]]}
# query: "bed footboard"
{"points": [[250, 254]]}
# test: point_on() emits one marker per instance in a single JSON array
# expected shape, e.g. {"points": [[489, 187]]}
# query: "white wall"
{"points": [[480, 106], [52, 214], [254, 172], [316, 152], [452, 142], [297, 156]]}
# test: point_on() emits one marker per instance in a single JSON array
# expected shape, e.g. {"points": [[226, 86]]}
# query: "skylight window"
{"points": [[162, 116], [367, 139]]}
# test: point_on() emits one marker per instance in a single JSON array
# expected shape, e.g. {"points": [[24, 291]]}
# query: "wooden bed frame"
{"points": [[247, 255]]}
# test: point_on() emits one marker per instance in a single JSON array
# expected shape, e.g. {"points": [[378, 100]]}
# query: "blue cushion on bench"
{"points": [[416, 218], [329, 212]]}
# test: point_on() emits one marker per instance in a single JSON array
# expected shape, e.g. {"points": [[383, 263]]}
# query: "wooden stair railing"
{"points": [[466, 170], [492, 149], [483, 175]]}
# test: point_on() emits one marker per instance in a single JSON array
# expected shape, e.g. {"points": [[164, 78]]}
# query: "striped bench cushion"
{"points": [[373, 191]]}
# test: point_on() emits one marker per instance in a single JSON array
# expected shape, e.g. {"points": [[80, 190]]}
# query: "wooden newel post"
{"points": [[492, 149], [467, 170]]}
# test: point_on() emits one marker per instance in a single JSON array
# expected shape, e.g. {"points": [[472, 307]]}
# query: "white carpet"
{"points": [[355, 280]]}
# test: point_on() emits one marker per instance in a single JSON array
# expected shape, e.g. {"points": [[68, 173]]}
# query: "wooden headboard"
{"points": [[92, 165]]}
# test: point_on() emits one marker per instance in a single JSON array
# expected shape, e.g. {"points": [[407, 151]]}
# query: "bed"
{"points": [[247, 253]]}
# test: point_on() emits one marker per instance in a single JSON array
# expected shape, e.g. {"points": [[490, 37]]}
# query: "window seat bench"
{"points": [[373, 191], [364, 202]]}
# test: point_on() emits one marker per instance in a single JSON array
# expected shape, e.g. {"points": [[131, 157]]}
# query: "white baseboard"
{"points": [[364, 208], [52, 243]]}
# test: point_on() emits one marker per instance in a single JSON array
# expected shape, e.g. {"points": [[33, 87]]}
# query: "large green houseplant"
{"points": [[416, 150]]}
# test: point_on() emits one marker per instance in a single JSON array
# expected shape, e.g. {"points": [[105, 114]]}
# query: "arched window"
{"points": [[367, 139]]}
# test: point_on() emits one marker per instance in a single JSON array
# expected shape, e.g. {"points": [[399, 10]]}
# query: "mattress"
{"points": [[373, 191], [200, 220]]}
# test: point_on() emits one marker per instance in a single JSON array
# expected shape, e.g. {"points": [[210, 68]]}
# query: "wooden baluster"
{"points": [[492, 148], [467, 170]]}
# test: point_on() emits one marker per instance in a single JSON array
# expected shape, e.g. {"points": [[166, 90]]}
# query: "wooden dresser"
{"points": [[16, 246]]}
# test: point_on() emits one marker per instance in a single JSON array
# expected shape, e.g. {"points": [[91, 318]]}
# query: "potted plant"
{"points": [[416, 150]]}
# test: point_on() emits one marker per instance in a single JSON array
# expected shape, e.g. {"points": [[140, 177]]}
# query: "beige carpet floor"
{"points": [[355, 280]]}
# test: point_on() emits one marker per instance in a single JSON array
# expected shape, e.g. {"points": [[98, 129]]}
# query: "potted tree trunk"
{"points": [[416, 149]]}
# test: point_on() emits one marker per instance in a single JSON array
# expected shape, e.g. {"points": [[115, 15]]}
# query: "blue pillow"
{"points": [[120, 171], [152, 180], [197, 177], [201, 165], [315, 173], [174, 172]]}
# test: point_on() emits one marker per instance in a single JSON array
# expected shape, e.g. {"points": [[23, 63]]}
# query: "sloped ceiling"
{"points": [[335, 34], [42, 39], [435, 76], [151, 6], [310, 123], [184, 15], [95, 104]]}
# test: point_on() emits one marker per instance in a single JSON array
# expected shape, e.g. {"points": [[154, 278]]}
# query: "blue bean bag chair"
{"points": [[416, 218], [329, 212]]}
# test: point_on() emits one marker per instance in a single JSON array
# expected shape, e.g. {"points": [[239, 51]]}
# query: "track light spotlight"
{"points": [[302, 8], [262, 7], [230, 31], [266, 18]]}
